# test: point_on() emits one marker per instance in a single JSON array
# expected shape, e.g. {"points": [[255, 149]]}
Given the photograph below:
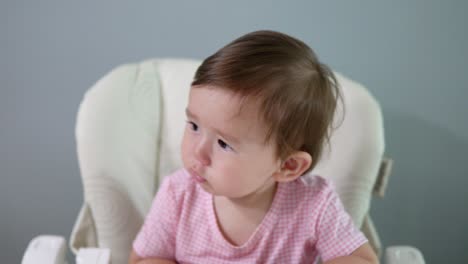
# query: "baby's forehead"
{"points": [[248, 114], [248, 110], [242, 107], [234, 111]]}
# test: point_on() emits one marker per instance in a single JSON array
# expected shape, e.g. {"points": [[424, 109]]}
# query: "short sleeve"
{"points": [[337, 234], [157, 235]]}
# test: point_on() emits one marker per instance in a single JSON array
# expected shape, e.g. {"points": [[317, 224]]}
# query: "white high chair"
{"points": [[128, 132]]}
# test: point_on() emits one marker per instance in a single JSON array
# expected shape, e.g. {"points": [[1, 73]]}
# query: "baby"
{"points": [[259, 112]]}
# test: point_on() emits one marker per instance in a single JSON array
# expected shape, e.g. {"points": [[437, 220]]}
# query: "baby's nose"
{"points": [[202, 154]]}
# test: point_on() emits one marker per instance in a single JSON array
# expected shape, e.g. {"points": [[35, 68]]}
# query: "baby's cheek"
{"points": [[185, 151], [231, 176]]}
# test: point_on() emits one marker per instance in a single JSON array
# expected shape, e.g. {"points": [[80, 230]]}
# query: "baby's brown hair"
{"points": [[297, 94]]}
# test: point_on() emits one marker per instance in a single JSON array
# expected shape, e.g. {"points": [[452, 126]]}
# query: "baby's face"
{"points": [[224, 149]]}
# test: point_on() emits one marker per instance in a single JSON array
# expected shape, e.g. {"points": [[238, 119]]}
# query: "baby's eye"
{"points": [[224, 145], [193, 126]]}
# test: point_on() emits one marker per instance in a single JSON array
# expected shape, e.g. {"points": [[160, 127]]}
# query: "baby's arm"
{"points": [[363, 255], [135, 259], [157, 234]]}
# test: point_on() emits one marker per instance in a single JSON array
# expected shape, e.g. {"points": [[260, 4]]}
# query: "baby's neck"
{"points": [[239, 218], [260, 200]]}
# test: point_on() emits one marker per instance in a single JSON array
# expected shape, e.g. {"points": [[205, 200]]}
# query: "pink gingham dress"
{"points": [[305, 221]]}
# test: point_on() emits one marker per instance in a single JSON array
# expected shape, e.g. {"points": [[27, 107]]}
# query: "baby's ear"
{"points": [[293, 166]]}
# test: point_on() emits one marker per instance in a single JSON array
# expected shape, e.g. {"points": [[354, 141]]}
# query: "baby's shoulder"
{"points": [[308, 196], [311, 190], [179, 176], [315, 185], [178, 183]]}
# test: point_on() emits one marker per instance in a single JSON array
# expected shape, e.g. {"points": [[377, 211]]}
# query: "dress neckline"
{"points": [[267, 222]]}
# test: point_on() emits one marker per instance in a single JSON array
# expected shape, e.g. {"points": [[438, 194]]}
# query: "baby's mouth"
{"points": [[196, 177]]}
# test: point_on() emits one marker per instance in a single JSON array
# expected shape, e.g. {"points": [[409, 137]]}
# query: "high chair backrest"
{"points": [[128, 133]]}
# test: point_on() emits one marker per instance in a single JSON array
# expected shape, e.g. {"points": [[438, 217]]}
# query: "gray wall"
{"points": [[410, 54]]}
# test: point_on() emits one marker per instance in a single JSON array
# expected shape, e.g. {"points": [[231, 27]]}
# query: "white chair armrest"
{"points": [[51, 249], [403, 255], [93, 256], [45, 249]]}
